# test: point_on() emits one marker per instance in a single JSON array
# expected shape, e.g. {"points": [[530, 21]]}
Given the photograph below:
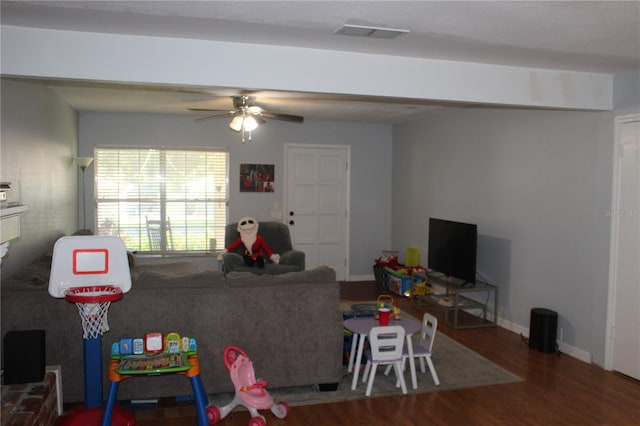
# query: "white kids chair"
{"points": [[386, 349], [424, 348]]}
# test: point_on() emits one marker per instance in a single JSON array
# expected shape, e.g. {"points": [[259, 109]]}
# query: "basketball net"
{"points": [[94, 319], [93, 304]]}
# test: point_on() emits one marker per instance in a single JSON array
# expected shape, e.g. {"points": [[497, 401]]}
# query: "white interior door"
{"points": [[625, 334], [317, 182]]}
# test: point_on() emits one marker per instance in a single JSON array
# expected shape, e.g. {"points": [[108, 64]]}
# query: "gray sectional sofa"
{"points": [[289, 325]]}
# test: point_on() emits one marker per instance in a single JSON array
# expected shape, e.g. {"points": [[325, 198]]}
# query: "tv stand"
{"points": [[455, 303]]}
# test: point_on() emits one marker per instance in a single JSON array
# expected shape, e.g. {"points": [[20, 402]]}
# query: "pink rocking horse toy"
{"points": [[248, 391]]}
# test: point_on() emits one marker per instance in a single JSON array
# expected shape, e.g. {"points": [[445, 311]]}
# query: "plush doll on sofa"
{"points": [[253, 244]]}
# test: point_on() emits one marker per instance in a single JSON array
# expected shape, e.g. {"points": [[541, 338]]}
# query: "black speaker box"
{"points": [[24, 356], [542, 330]]}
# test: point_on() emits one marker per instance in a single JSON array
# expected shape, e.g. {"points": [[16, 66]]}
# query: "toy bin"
{"points": [[403, 285], [398, 284], [381, 277]]}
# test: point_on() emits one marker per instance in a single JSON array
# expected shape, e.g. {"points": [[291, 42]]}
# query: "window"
{"points": [[142, 191]]}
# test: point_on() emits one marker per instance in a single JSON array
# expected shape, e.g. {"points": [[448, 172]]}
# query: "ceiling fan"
{"points": [[247, 116]]}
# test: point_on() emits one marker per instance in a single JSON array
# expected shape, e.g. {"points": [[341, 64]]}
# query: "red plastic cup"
{"points": [[384, 314]]}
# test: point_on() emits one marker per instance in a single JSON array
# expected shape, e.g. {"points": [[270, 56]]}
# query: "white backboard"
{"points": [[81, 261]]}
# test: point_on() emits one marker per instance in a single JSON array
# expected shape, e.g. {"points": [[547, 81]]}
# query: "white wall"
{"points": [[370, 169], [181, 61], [537, 184], [39, 140]]}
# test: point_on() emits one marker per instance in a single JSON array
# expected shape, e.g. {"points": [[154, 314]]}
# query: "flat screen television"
{"points": [[452, 249]]}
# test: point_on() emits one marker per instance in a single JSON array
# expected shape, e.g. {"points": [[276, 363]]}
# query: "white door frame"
{"points": [[613, 246], [347, 219]]}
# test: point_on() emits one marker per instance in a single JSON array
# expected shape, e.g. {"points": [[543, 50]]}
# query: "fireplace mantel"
{"points": [[9, 225]]}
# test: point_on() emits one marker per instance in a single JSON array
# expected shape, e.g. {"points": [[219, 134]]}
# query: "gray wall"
{"points": [[370, 169], [39, 142], [626, 91], [537, 184]]}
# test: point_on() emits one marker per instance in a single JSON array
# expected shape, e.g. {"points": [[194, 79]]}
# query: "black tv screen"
{"points": [[452, 249]]}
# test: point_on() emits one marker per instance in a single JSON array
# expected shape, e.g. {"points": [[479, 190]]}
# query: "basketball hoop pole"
{"points": [[92, 350]]}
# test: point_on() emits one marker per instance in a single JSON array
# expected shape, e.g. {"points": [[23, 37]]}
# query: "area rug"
{"points": [[457, 366]]}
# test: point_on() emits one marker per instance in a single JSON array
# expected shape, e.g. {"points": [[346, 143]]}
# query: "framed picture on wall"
{"points": [[257, 178]]}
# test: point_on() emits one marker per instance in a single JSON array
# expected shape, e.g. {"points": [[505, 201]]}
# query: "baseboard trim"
{"points": [[572, 351], [362, 278]]}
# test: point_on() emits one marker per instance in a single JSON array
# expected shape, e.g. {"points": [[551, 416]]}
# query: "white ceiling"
{"points": [[592, 36]]}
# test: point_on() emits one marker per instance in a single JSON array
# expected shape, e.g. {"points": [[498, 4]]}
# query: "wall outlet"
{"points": [[3, 196]]}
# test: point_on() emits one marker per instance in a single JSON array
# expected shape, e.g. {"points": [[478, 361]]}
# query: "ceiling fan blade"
{"points": [[211, 117], [225, 111], [284, 117], [217, 113]]}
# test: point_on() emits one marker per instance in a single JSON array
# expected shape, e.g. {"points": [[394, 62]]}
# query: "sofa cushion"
{"points": [[153, 279], [269, 269], [35, 274], [321, 274], [174, 268]]}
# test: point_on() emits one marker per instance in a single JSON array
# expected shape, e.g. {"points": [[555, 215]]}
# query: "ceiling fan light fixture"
{"points": [[236, 123], [244, 122], [250, 123]]}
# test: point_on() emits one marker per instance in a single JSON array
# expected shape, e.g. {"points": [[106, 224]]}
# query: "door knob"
{"points": [[291, 222], [291, 213]]}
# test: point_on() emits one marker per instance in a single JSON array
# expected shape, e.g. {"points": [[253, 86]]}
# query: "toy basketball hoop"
{"points": [[93, 304], [91, 272]]}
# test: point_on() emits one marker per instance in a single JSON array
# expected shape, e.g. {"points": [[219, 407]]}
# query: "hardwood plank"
{"points": [[557, 390]]}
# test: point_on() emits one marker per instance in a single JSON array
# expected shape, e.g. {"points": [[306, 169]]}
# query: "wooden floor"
{"points": [[557, 390]]}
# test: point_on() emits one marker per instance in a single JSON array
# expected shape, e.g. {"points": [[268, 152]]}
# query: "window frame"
{"points": [[214, 202]]}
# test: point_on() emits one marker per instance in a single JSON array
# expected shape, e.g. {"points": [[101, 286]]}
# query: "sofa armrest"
{"points": [[293, 257]]}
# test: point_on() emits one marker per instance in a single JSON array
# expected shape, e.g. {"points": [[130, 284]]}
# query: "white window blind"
{"points": [[161, 199]]}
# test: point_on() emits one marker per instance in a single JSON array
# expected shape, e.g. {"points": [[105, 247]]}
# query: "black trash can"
{"points": [[542, 330]]}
